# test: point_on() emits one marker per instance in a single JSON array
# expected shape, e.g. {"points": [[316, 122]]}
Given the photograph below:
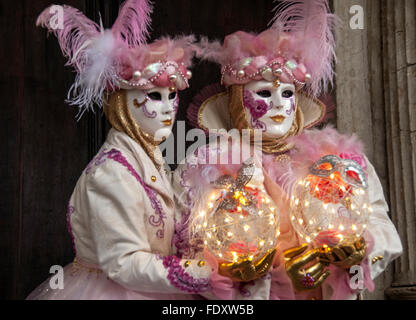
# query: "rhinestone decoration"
{"points": [[292, 65], [308, 281]]}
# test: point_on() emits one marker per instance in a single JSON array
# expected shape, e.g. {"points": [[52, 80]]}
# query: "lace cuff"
{"points": [[182, 280]]}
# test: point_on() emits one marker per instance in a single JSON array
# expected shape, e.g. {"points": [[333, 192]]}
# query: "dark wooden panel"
{"points": [[11, 90], [45, 150], [56, 150]]}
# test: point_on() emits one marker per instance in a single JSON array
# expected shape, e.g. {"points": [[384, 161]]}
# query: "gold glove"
{"points": [[304, 273], [247, 270], [346, 255]]}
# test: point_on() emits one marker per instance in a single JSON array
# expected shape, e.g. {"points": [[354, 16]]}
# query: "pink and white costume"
{"points": [[298, 50], [121, 213]]}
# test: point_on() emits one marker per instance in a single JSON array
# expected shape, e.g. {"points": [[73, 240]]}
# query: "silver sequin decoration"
{"points": [[343, 166], [232, 185]]}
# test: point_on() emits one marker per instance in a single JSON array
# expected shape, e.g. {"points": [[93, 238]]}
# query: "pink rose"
{"points": [[356, 157]]}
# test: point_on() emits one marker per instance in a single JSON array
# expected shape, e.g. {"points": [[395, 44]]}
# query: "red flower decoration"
{"points": [[331, 189], [242, 248], [328, 237]]}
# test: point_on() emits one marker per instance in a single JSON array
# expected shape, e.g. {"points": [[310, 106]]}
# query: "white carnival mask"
{"points": [[269, 107], [154, 110]]}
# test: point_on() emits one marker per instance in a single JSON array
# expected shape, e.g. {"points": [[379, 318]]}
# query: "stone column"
{"points": [[375, 98], [399, 68]]}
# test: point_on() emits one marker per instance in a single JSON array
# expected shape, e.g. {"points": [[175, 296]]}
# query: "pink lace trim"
{"points": [[182, 280]]}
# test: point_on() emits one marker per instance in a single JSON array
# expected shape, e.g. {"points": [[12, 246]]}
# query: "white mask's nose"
{"points": [[277, 99], [168, 107]]}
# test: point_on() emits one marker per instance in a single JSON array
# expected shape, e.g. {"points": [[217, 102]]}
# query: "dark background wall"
{"points": [[44, 149]]}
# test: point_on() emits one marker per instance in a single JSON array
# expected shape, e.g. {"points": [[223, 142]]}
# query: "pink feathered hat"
{"points": [[298, 48], [107, 60]]}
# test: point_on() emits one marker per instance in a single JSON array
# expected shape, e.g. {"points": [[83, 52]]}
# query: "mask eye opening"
{"points": [[172, 95], [287, 94], [264, 93], [155, 96]]}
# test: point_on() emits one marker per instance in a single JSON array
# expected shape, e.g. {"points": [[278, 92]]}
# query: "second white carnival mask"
{"points": [[269, 107]]}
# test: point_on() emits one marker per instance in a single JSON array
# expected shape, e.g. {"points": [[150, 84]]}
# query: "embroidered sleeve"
{"points": [[119, 208]]}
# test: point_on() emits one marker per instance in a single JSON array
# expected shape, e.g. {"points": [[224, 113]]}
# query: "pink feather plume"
{"points": [[96, 54], [310, 26], [76, 32], [133, 22]]}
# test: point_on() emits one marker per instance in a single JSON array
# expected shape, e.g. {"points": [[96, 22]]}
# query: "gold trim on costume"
{"points": [[204, 105]]}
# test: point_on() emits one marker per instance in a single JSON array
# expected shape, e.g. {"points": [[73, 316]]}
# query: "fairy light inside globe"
{"points": [[238, 225], [330, 206]]}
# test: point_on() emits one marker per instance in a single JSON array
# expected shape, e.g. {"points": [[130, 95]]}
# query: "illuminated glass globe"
{"points": [[330, 206], [239, 224]]}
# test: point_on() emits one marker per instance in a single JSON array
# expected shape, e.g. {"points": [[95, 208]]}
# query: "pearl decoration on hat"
{"points": [[286, 68], [241, 73], [137, 75], [135, 83]]}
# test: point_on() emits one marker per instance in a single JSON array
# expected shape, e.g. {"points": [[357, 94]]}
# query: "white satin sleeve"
{"points": [[117, 206], [387, 243]]}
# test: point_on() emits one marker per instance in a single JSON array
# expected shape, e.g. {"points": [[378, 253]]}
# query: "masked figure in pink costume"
{"points": [[273, 80], [121, 213]]}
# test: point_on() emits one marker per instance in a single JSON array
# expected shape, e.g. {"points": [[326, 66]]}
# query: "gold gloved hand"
{"points": [[346, 255], [247, 270], [304, 273]]}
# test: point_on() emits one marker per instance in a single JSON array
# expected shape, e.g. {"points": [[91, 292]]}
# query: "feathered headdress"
{"points": [[106, 60], [297, 48]]}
